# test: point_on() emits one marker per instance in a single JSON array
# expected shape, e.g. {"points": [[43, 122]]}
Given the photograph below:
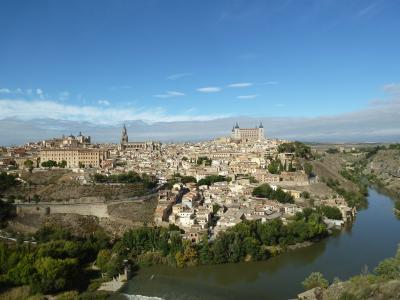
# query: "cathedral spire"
{"points": [[124, 138]]}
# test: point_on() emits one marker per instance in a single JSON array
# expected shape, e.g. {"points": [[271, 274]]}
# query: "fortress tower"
{"points": [[248, 134]]}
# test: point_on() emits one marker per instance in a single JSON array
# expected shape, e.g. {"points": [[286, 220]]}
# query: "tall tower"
{"points": [[261, 132], [236, 132], [124, 137]]}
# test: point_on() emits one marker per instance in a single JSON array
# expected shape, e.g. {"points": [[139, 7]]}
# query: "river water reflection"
{"points": [[373, 237]]}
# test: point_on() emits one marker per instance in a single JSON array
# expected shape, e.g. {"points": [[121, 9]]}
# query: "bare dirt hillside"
{"points": [[123, 216], [330, 166], [61, 185], [385, 165]]}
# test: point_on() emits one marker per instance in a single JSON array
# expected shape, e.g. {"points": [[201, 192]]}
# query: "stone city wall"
{"points": [[86, 209]]}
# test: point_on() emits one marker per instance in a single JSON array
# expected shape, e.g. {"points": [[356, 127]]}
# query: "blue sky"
{"points": [[110, 61]]}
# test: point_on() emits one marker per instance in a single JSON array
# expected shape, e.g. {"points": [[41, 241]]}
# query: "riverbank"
{"points": [[280, 277], [113, 285]]}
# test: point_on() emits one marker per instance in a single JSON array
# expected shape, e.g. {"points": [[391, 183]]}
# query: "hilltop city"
{"points": [[203, 188]]}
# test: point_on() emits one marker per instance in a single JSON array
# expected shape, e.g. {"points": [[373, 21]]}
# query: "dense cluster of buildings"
{"points": [[241, 159]]}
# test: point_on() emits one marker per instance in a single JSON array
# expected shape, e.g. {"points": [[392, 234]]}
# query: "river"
{"points": [[373, 236]]}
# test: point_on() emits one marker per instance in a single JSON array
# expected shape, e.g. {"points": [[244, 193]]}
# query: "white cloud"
{"points": [[392, 88], [5, 91], [240, 85], [40, 93], [245, 97], [20, 91], [63, 95], [178, 76], [39, 109], [209, 89], [104, 102], [169, 94]]}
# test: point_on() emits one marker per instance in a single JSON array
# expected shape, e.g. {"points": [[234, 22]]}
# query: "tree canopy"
{"points": [[331, 212], [265, 191], [207, 161], [129, 177], [7, 181], [299, 149], [209, 180]]}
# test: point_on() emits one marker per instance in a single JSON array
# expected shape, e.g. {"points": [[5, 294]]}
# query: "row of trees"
{"points": [[209, 180], [51, 164], [265, 191], [129, 177], [57, 263], [299, 149], [248, 240], [353, 198]]}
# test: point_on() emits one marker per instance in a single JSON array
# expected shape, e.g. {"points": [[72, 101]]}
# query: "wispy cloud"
{"points": [[40, 93], [366, 10], [271, 83], [209, 89], [280, 105], [18, 91], [247, 97], [392, 88], [104, 102], [5, 91], [63, 96], [169, 94], [178, 76], [39, 109], [30, 121], [240, 84]]}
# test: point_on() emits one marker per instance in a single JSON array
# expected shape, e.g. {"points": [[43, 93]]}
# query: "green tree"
{"points": [[103, 258], [7, 211], [209, 180], [49, 164], [62, 164], [7, 181], [308, 168], [28, 164], [275, 167], [397, 205], [53, 275], [205, 254], [207, 161], [315, 279], [21, 273], [389, 268], [35, 198], [265, 191], [331, 212]]}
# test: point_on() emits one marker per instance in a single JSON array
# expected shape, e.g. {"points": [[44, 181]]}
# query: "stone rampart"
{"points": [[86, 209]]}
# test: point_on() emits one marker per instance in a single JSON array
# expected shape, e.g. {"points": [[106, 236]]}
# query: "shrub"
{"points": [[315, 279]]}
